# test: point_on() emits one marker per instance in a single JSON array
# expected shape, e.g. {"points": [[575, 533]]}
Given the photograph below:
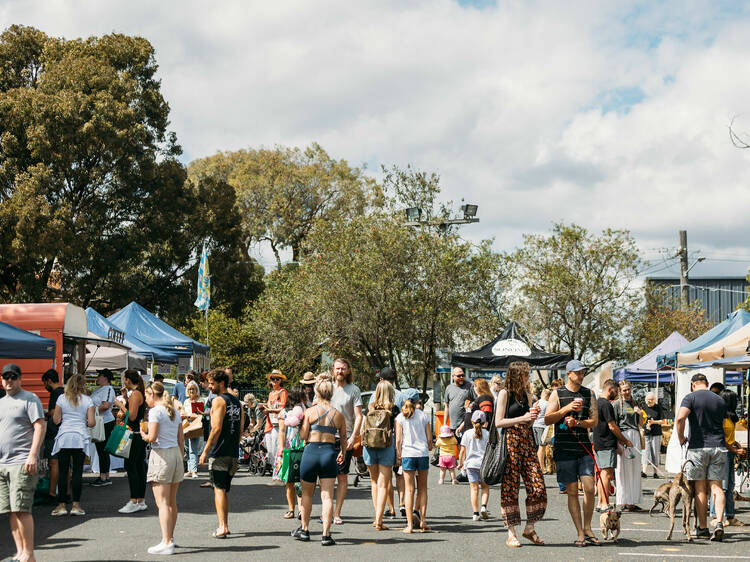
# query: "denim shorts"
{"points": [[708, 463], [384, 457], [569, 470], [415, 463], [606, 458], [473, 474]]}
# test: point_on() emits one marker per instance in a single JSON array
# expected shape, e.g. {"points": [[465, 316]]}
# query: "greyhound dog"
{"points": [[682, 490], [661, 497]]}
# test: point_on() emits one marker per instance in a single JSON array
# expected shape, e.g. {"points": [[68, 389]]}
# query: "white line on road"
{"points": [[682, 555]]}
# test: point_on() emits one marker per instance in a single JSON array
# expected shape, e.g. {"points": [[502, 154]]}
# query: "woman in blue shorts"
{"points": [[413, 446], [320, 458], [380, 460]]}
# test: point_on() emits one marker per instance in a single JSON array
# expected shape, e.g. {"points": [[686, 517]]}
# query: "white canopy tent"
{"points": [[103, 353]]}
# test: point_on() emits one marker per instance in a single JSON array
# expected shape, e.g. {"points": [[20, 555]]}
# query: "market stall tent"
{"points": [[16, 343], [103, 327], [511, 345], [734, 322], [731, 345], [644, 369], [138, 322], [103, 353]]}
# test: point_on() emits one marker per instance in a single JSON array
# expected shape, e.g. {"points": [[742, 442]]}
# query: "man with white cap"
{"points": [[572, 410]]}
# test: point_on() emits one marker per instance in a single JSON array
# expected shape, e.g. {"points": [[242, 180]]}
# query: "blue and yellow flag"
{"points": [[204, 282]]}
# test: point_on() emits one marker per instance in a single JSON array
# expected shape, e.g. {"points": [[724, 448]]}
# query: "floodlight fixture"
{"points": [[413, 214], [469, 211]]}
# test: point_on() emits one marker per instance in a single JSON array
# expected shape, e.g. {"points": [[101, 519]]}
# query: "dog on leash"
{"points": [[682, 490], [610, 522], [661, 497]]}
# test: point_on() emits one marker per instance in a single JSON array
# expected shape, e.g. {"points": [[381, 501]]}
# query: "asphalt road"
{"points": [[259, 532]]}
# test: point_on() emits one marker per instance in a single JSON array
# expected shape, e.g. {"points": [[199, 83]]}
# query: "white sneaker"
{"points": [[130, 507], [475, 517], [142, 506], [484, 513], [162, 548]]}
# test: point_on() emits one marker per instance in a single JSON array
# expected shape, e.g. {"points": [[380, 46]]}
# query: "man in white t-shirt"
{"points": [[347, 399], [22, 429]]}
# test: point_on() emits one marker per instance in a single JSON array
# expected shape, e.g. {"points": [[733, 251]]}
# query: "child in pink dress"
{"points": [[447, 444]]}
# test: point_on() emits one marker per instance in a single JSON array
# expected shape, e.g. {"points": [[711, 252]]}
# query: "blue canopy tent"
{"points": [[644, 369], [139, 323], [16, 343], [99, 325], [734, 322]]}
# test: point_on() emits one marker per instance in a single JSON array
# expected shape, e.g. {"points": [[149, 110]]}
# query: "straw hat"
{"points": [[276, 373], [308, 378]]}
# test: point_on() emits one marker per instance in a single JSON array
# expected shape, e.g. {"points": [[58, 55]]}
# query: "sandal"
{"points": [[593, 540], [218, 535], [337, 521], [289, 515], [579, 543], [382, 527], [533, 537], [514, 543]]}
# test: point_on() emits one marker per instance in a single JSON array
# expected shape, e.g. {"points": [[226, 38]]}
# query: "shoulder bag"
{"points": [[495, 455], [120, 440], [290, 461]]}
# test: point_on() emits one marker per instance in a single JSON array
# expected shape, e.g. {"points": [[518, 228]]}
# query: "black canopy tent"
{"points": [[511, 345]]}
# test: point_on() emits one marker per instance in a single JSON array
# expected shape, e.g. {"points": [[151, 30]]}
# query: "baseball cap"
{"points": [[574, 366], [478, 416], [387, 374], [12, 368], [411, 394]]}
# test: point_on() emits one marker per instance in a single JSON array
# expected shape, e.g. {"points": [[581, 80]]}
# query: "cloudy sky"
{"points": [[607, 114]]}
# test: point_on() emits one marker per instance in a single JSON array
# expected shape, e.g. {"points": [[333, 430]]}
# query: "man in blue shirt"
{"points": [[179, 389]]}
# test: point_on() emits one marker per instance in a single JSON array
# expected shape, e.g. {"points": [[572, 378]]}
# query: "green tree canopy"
{"points": [[660, 316], [379, 292], [575, 290], [94, 206], [282, 192]]}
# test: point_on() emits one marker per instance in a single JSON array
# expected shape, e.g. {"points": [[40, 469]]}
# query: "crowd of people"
{"points": [[601, 446]]}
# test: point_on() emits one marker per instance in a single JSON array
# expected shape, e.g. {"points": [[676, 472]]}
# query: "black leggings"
{"points": [[104, 456], [135, 465], [66, 457]]}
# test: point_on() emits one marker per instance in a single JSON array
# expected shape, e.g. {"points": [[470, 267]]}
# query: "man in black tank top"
{"points": [[572, 411], [222, 447]]}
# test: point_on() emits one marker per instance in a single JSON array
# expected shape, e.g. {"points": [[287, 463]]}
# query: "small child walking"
{"points": [[473, 444], [446, 442]]}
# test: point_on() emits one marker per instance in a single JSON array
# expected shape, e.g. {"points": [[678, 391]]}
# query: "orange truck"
{"points": [[64, 323]]}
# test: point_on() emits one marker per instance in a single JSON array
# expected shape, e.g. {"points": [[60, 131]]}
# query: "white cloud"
{"points": [[606, 114]]}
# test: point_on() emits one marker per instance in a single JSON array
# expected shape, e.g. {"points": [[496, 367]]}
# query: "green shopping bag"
{"points": [[290, 461], [120, 440]]}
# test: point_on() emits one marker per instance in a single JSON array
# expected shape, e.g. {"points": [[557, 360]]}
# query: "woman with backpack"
{"points": [[413, 446], [379, 447]]}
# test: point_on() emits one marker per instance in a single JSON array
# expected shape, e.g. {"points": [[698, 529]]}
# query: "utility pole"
{"points": [[683, 255]]}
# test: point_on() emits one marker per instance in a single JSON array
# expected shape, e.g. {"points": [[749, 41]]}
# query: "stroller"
{"points": [[257, 456]]}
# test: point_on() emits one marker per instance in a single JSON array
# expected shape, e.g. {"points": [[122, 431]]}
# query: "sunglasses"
{"points": [[275, 379], [10, 376], [460, 376]]}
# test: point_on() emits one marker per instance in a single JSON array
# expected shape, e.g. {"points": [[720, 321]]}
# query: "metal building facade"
{"points": [[719, 296]]}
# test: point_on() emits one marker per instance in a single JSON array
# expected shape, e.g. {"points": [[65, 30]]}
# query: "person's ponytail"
{"points": [[477, 430], [407, 409]]}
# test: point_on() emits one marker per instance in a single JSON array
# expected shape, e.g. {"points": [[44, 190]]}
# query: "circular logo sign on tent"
{"points": [[511, 347]]}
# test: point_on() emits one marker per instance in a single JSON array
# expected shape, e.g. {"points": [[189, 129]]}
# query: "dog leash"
{"points": [[597, 470]]}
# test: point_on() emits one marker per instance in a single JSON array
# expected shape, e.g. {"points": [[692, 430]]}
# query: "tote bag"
{"points": [[290, 461], [120, 441], [495, 456], [97, 432]]}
